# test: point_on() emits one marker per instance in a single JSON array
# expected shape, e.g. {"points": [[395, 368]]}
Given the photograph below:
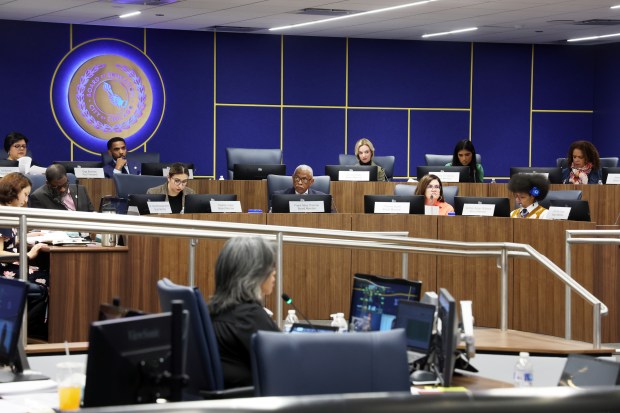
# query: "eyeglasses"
{"points": [[434, 187], [177, 181], [303, 180], [18, 147]]}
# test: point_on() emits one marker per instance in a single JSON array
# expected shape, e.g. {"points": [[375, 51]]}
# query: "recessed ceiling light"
{"points": [[583, 39], [133, 13], [469, 29], [615, 7]]}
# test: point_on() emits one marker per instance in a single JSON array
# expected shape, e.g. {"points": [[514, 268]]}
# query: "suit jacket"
{"points": [[134, 168], [43, 198], [163, 189]]}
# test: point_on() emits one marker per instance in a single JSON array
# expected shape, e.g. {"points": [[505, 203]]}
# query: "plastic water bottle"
{"points": [[339, 321], [524, 371], [600, 182], [291, 319], [493, 181], [221, 178]]}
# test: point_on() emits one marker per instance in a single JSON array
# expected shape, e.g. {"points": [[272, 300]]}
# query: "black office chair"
{"points": [[251, 156], [442, 160], [386, 162], [201, 203], [304, 364], [203, 357], [449, 192], [135, 184], [137, 158], [563, 195]]}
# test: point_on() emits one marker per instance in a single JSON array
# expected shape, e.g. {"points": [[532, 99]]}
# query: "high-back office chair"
{"points": [[203, 357], [303, 364], [442, 160], [608, 162], [38, 181], [251, 156], [386, 162], [573, 194], [135, 184], [135, 157], [449, 192]]}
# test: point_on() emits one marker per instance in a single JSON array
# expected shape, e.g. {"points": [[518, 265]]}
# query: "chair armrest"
{"points": [[237, 392]]}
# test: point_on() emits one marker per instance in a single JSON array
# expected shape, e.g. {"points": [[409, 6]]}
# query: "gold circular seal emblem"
{"points": [[109, 96]]}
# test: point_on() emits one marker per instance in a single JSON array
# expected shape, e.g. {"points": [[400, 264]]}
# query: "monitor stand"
{"points": [[19, 370]]}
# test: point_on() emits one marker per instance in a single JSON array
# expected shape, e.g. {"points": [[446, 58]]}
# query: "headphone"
{"points": [[534, 191]]}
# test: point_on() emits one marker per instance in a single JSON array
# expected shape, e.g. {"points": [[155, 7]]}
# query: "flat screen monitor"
{"points": [[417, 320], [447, 325], [201, 203], [374, 301], [554, 174], [71, 165], [609, 170], [464, 172], [579, 209], [315, 328], [141, 201], [157, 168], [280, 203], [253, 172], [416, 202], [586, 371], [8, 162], [502, 205], [334, 171], [118, 204]]}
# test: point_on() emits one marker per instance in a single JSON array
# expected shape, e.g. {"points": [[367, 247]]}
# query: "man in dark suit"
{"points": [[57, 193], [303, 178], [119, 164]]}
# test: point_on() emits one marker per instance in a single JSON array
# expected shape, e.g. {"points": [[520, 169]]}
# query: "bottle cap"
{"points": [[524, 354], [291, 311]]}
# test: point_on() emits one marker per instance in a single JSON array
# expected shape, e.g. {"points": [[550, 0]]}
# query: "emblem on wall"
{"points": [[107, 88]]}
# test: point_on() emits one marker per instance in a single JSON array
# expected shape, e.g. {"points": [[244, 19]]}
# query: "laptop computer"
{"points": [[315, 328], [417, 319]]}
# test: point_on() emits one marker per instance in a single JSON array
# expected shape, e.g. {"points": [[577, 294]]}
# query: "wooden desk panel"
{"points": [[607, 284], [349, 196], [252, 194], [98, 187]]}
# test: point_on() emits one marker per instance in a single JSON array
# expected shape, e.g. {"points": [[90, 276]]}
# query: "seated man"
{"points": [[119, 165], [58, 194], [303, 178]]}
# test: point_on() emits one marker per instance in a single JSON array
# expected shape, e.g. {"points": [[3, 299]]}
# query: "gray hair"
{"points": [[304, 167], [241, 268]]}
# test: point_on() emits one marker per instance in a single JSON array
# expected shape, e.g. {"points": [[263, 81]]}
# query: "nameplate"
{"points": [[306, 206], [556, 212], [613, 179], [4, 170], [446, 176], [392, 207], [431, 210], [225, 206], [354, 175], [88, 172], [159, 207], [479, 210]]}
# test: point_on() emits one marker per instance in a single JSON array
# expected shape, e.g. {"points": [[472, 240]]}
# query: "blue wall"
{"points": [[314, 97]]}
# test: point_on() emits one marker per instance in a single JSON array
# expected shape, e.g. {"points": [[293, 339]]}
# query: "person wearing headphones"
{"points": [[57, 193], [528, 189]]}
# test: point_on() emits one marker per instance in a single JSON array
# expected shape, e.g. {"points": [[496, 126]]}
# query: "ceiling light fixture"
{"points": [[133, 13], [348, 16], [469, 29], [615, 7], [583, 39]]}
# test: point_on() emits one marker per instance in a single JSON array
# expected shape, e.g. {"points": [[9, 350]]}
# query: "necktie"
{"points": [[523, 212]]}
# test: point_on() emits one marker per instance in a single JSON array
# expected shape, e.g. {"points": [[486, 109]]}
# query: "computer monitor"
{"points": [[71, 165], [464, 171], [585, 371], [417, 320], [9, 163], [334, 171], [374, 301], [554, 174], [280, 203], [115, 203], [502, 205], [416, 202], [447, 335], [128, 359], [141, 201], [157, 168], [201, 203], [253, 172], [314, 328], [579, 209], [609, 170]]}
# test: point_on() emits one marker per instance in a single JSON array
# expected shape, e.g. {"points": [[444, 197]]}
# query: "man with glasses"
{"points": [[57, 193], [175, 188], [303, 178], [119, 164]]}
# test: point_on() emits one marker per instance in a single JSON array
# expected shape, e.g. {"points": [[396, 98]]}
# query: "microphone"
{"points": [[289, 300]]}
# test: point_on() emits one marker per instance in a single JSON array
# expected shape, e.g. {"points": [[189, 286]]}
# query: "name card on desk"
{"points": [[88, 172], [480, 210], [431, 210], [306, 206], [354, 175], [225, 206], [4, 170], [392, 207], [613, 179], [446, 176], [556, 212], [159, 207]]}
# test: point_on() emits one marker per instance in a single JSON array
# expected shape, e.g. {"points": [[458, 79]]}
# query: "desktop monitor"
{"points": [[114, 203], [554, 174], [464, 171], [417, 320], [609, 170], [416, 202], [253, 172], [334, 171], [586, 371], [141, 201], [71, 165], [502, 205], [374, 301], [157, 168], [447, 336], [280, 203], [201, 203], [579, 209]]}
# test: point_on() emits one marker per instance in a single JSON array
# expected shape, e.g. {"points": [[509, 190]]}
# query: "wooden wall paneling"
{"points": [[205, 186], [607, 200], [607, 285], [96, 188], [252, 194], [471, 189], [144, 270], [342, 195]]}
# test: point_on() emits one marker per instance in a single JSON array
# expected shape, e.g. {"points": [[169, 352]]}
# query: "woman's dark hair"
{"points": [[589, 152], [11, 138], [466, 145], [11, 185], [534, 184], [425, 181], [178, 168]]}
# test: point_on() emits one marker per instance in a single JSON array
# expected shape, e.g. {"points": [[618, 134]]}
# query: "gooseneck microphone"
{"points": [[288, 300]]}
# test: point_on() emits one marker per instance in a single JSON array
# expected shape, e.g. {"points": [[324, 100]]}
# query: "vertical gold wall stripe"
{"points": [[214, 102], [531, 105], [471, 86], [145, 41], [70, 37], [346, 95], [71, 150], [281, 92], [408, 143]]}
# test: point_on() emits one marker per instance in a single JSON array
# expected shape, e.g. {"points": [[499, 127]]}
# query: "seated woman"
{"points": [[528, 190], [430, 186], [14, 191], [583, 163], [15, 145], [465, 155], [244, 275], [365, 151], [176, 187]]}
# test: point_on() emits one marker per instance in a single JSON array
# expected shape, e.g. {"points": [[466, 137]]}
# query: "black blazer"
{"points": [[42, 198]]}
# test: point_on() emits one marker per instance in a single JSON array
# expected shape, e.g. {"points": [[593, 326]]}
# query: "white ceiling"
{"points": [[503, 21]]}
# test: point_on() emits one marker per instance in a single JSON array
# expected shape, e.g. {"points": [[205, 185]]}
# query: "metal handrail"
{"points": [[194, 230]]}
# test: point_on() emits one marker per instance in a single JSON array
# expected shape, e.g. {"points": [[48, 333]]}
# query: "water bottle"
{"points": [[339, 321], [524, 371], [291, 319], [493, 181], [221, 178], [600, 182]]}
